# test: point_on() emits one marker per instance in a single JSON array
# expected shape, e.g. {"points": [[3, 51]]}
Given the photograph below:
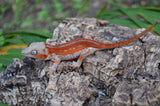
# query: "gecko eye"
{"points": [[34, 52]]}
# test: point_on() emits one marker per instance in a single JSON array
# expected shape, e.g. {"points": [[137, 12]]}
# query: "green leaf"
{"points": [[2, 68], [157, 29], [1, 37], [28, 32], [28, 36], [152, 14], [150, 8], [102, 9], [110, 14], [12, 53], [5, 60], [14, 40], [83, 6], [136, 15], [150, 20], [29, 39], [124, 22], [129, 14], [1, 40], [1, 31]]}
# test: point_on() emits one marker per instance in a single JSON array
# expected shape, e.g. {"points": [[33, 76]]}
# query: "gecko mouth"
{"points": [[23, 52]]}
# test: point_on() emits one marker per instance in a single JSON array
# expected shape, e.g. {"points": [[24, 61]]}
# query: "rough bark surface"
{"points": [[126, 75]]}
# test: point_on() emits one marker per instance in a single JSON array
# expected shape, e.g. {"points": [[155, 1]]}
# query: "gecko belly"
{"points": [[69, 56], [85, 51]]}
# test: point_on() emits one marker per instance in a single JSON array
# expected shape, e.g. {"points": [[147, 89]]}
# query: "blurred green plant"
{"points": [[1, 37], [77, 4], [18, 7], [57, 6], [155, 2], [3, 9], [139, 17], [83, 7], [27, 22], [58, 12], [44, 15]]}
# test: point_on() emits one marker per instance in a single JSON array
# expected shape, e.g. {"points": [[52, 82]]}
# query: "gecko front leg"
{"points": [[83, 54], [53, 68]]}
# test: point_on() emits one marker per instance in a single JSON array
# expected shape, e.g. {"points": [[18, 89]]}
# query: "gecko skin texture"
{"points": [[77, 48]]}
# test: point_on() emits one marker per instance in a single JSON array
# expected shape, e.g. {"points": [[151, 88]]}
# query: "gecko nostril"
{"points": [[44, 56]]}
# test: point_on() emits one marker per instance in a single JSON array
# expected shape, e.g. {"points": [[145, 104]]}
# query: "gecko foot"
{"points": [[75, 65], [51, 71]]}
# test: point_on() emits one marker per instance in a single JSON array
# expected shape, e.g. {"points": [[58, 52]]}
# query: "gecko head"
{"points": [[35, 50]]}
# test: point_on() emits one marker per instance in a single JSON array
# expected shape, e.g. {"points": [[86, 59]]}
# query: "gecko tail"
{"points": [[131, 39]]}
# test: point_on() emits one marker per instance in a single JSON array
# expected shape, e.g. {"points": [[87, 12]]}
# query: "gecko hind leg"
{"points": [[84, 54]]}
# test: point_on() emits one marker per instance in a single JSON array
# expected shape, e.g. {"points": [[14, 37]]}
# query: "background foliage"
{"points": [[26, 21]]}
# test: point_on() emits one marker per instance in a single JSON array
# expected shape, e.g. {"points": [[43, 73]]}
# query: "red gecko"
{"points": [[81, 48]]}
